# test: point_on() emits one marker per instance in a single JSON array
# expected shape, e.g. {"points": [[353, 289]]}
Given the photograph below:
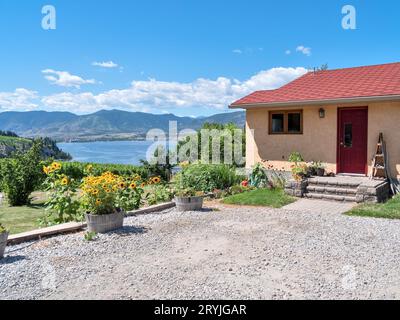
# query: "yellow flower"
{"points": [[45, 170], [156, 180], [64, 181], [89, 167], [108, 190], [143, 185], [133, 185], [121, 185], [95, 192], [55, 166], [98, 202]]}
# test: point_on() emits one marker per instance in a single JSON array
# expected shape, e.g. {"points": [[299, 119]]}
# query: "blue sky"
{"points": [[180, 56]]}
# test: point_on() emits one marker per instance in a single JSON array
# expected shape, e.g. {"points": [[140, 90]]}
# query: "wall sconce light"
{"points": [[322, 113]]}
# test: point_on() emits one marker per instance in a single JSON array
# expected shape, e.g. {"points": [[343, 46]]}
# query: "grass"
{"points": [[275, 198], [388, 210], [21, 219]]}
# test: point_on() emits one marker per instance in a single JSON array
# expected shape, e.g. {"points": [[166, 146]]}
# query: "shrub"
{"points": [[258, 177], [62, 199], [207, 177], [299, 169], [296, 157], [158, 193], [21, 175], [77, 170]]}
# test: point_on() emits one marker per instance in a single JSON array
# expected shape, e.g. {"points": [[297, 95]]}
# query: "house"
{"points": [[334, 116]]}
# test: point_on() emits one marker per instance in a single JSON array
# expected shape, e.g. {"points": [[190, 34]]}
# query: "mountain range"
{"points": [[102, 125]]}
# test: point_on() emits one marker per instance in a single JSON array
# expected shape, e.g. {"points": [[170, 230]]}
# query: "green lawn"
{"points": [[21, 219], [388, 210], [275, 198]]}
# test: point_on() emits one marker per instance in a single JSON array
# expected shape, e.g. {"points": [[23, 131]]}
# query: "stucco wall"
{"points": [[319, 139]]}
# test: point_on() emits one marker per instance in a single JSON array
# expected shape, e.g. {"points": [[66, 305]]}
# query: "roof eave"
{"points": [[315, 102]]}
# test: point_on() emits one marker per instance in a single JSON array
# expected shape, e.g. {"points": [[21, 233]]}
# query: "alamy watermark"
{"points": [[349, 21], [211, 146], [49, 21]]}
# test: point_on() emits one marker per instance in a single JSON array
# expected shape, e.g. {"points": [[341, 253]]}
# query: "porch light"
{"points": [[322, 113]]}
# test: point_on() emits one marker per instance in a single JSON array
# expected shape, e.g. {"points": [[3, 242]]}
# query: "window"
{"points": [[286, 122], [277, 122], [348, 135]]}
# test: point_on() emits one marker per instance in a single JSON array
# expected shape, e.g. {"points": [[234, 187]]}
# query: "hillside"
{"points": [[10, 145], [102, 125]]}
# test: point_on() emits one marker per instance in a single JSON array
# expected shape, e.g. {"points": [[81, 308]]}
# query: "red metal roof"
{"points": [[370, 81]]}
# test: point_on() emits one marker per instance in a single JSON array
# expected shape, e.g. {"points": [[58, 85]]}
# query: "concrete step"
{"points": [[323, 196], [333, 190], [329, 182]]}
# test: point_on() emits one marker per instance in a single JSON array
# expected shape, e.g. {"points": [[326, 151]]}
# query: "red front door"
{"points": [[352, 140]]}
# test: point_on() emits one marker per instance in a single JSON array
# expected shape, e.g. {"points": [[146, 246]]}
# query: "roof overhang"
{"points": [[316, 102]]}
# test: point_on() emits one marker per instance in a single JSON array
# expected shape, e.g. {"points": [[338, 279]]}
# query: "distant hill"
{"points": [[102, 125], [12, 144]]}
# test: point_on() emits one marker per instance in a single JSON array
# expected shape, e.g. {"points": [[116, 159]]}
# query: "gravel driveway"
{"points": [[233, 253]]}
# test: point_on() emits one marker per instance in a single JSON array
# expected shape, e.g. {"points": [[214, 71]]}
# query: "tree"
{"points": [[21, 175]]}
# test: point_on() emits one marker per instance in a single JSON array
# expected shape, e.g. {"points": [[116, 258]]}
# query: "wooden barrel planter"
{"points": [[189, 203], [3, 243], [104, 223]]}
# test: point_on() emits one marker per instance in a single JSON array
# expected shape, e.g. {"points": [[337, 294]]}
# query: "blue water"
{"points": [[121, 152]]}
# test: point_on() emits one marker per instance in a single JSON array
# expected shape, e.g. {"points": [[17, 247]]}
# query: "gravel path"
{"points": [[233, 253]]}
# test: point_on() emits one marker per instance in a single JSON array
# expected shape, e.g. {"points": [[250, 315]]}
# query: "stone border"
{"points": [[151, 209], [76, 226], [46, 232]]}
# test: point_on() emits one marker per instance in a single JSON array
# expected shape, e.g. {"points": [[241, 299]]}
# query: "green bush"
{"points": [[158, 193], [21, 175], [76, 170], [207, 177]]}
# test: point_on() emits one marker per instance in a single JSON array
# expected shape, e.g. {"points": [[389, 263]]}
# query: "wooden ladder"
{"points": [[379, 164]]}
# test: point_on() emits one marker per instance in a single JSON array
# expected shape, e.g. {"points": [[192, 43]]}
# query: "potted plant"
{"points": [[102, 200], [300, 169], [187, 199], [3, 240], [318, 168]]}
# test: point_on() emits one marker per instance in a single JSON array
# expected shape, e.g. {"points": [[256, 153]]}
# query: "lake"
{"points": [[121, 152]]}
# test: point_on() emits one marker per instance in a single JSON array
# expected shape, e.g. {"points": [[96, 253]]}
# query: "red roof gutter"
{"points": [[315, 102]]}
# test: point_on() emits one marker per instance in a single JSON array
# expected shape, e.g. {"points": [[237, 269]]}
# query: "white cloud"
{"points": [[65, 79], [237, 51], [153, 95], [20, 99], [105, 64], [304, 50]]}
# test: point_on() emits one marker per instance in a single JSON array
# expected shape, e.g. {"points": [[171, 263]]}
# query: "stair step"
{"points": [[322, 196], [333, 183], [336, 190]]}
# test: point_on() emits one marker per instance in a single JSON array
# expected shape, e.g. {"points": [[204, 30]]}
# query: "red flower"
{"points": [[245, 183]]}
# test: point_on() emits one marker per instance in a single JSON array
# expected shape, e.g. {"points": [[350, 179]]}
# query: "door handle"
{"points": [[341, 144]]}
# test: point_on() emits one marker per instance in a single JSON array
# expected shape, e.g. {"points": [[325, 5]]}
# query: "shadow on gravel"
{"points": [[129, 230], [11, 259]]}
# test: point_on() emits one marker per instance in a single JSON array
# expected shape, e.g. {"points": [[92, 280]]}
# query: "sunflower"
{"points": [[56, 166], [64, 181], [95, 192], [156, 180], [98, 202], [142, 185], [133, 185], [121, 185], [107, 190], [45, 170]]}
